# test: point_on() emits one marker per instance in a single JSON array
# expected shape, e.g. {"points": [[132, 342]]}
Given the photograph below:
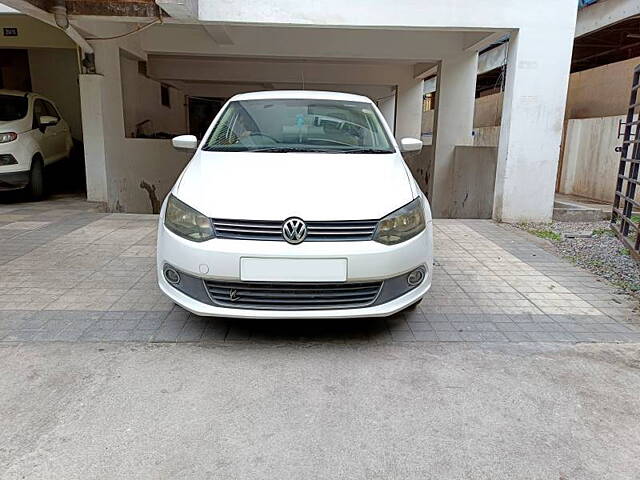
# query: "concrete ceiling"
{"points": [[371, 45]]}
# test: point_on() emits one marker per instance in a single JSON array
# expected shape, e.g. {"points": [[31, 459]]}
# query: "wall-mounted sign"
{"points": [[10, 31]]}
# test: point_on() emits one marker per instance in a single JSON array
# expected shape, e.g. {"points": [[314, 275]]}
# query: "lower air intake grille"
{"points": [[330, 231], [292, 296], [8, 159]]}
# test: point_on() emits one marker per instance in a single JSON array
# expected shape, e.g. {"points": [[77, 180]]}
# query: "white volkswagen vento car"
{"points": [[296, 204]]}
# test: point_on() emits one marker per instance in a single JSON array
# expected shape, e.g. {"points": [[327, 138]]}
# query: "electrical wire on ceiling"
{"points": [[138, 29]]}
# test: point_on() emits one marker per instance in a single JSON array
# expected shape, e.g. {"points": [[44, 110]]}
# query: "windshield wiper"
{"points": [[276, 149], [365, 150], [291, 149]]}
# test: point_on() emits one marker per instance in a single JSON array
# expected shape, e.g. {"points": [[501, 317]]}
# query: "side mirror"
{"points": [[185, 143], [410, 145], [47, 121]]}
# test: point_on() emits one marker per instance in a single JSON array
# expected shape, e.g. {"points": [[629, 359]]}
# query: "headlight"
{"points": [[186, 222], [401, 225], [8, 137]]}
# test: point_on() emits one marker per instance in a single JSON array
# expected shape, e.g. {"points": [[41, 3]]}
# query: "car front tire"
{"points": [[35, 189]]}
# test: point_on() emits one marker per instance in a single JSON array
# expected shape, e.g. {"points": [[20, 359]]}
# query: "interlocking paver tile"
{"points": [[443, 327], [483, 336], [420, 326], [76, 274], [508, 327], [518, 336], [423, 335], [449, 336], [402, 336]]}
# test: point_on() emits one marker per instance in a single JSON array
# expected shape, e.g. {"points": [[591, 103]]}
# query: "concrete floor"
{"points": [[517, 365], [288, 411]]}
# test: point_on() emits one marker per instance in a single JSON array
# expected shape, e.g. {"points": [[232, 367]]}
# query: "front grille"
{"points": [[338, 231], [292, 296]]}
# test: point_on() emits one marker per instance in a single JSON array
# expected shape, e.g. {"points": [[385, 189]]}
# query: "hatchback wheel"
{"points": [[35, 189]]}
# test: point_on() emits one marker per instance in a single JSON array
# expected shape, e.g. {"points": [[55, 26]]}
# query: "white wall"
{"points": [[32, 33], [380, 13], [120, 164], [54, 74], [153, 161], [141, 97]]}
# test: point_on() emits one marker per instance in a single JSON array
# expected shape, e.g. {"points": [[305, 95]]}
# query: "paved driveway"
{"points": [[484, 381], [74, 274]]}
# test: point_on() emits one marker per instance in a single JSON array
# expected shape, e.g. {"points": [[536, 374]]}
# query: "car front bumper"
{"points": [[13, 180], [14, 176], [220, 259]]}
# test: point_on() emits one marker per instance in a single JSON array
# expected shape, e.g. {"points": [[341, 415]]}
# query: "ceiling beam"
{"points": [[231, 71], [424, 70], [186, 10], [219, 34], [484, 42]]}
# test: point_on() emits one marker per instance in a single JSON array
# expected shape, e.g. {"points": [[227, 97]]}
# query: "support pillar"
{"points": [[453, 125], [409, 109], [532, 118], [387, 107], [95, 158], [102, 122]]}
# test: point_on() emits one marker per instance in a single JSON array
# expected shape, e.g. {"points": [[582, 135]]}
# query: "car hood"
{"points": [[17, 126], [312, 186]]}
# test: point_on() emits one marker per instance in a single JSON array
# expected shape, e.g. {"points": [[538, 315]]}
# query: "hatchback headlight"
{"points": [[8, 137], [186, 222], [401, 225]]}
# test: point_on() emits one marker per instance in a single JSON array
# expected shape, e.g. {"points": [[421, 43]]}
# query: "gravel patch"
{"points": [[593, 246]]}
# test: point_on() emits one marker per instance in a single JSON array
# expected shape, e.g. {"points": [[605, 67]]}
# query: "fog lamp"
{"points": [[171, 275], [416, 277]]}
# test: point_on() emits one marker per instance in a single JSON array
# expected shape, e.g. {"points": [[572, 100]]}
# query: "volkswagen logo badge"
{"points": [[294, 230]]}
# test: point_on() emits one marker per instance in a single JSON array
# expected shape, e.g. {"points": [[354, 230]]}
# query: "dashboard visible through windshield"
{"points": [[299, 125]]}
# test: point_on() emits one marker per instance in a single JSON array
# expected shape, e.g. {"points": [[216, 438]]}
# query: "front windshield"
{"points": [[13, 107], [299, 125]]}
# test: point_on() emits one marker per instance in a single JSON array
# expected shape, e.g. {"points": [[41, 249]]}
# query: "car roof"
{"points": [[16, 93], [20, 93], [301, 94]]}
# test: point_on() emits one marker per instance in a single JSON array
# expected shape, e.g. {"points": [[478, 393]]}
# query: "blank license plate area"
{"points": [[293, 269]]}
